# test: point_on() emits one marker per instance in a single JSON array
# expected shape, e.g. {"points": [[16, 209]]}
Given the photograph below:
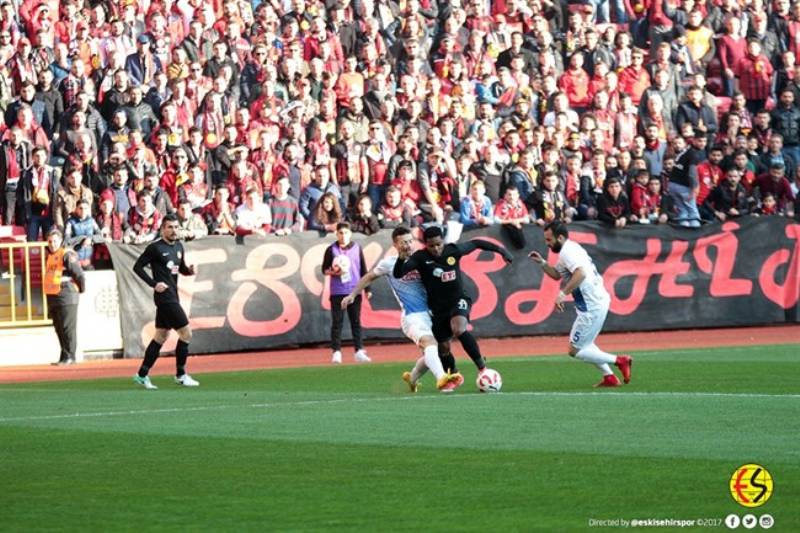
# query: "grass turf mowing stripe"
{"points": [[178, 410], [178, 483], [686, 426]]}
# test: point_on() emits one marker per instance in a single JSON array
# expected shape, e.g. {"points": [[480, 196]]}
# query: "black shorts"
{"points": [[171, 316], [441, 320]]}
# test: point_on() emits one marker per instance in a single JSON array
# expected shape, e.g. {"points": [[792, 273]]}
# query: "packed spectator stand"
{"points": [[283, 116]]}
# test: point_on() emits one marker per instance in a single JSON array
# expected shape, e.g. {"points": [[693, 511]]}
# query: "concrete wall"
{"points": [[99, 334]]}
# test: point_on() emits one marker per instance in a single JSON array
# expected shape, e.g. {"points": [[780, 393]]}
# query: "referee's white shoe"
{"points": [[144, 382], [187, 381]]}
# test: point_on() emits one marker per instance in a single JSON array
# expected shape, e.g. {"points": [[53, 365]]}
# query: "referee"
{"points": [[166, 259]]}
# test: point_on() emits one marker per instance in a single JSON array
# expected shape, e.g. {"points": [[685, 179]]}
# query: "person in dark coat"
{"points": [[63, 282], [36, 195], [612, 206]]}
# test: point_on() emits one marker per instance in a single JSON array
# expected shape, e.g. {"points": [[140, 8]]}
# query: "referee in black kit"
{"points": [[166, 259]]}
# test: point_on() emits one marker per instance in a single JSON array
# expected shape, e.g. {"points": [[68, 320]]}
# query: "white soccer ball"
{"points": [[489, 380]]}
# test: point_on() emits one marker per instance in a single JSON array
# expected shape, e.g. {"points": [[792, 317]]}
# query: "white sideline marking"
{"points": [[199, 408], [654, 394], [401, 398]]}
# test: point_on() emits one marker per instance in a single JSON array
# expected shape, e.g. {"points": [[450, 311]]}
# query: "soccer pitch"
{"points": [[348, 448]]}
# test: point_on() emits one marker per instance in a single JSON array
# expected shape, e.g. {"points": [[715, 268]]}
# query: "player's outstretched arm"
{"points": [[365, 281], [537, 258], [480, 244]]}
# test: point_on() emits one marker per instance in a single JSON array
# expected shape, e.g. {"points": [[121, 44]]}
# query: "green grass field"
{"points": [[347, 448]]}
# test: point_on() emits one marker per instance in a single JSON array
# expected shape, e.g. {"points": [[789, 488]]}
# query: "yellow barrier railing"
{"points": [[30, 310]]}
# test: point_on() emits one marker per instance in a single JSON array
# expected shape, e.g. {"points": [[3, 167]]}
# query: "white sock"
{"points": [[419, 370], [432, 361], [605, 369], [594, 355]]}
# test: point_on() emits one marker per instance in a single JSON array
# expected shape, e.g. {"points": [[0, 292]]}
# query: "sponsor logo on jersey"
{"points": [[412, 276]]}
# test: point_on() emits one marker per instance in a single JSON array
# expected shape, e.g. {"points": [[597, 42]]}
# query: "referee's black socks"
{"points": [[181, 354], [470, 346], [150, 356]]}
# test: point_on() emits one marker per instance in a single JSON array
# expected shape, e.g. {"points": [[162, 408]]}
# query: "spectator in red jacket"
{"points": [[709, 174], [575, 84], [512, 214], [410, 190], [177, 175], [664, 208], [634, 79], [731, 48], [755, 76], [112, 223], [641, 202]]}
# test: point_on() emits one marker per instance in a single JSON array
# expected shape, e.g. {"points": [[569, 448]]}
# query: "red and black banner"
{"points": [[270, 292]]}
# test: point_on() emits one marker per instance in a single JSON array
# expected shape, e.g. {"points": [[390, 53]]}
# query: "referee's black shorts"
{"points": [[441, 320], [171, 316]]}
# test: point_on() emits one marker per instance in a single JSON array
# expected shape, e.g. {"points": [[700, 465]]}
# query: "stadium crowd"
{"points": [[276, 116]]}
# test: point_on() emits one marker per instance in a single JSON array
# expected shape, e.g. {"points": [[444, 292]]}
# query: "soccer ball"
{"points": [[489, 381]]}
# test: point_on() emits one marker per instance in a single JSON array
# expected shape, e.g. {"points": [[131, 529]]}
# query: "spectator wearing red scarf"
{"points": [[144, 220]]}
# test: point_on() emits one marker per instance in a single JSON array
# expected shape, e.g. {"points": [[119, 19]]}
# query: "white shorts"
{"points": [[587, 327], [416, 325]]}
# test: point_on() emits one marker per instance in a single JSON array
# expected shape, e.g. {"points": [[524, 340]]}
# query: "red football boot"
{"points": [[624, 363], [609, 381]]}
